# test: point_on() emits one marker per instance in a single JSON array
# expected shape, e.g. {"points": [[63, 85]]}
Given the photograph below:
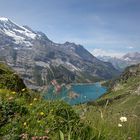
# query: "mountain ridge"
{"points": [[121, 63], [32, 54]]}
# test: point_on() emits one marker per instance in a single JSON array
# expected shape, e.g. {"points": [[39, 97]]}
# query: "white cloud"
{"points": [[130, 47], [100, 52]]}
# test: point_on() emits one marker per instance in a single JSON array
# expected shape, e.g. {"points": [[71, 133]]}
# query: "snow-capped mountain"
{"points": [[122, 62], [40, 60], [132, 57], [19, 35]]}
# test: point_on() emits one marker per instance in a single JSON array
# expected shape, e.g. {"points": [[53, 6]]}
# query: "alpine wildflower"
{"points": [[119, 125], [123, 119], [23, 89], [13, 92], [24, 123], [10, 98], [35, 99], [24, 136], [38, 121], [42, 113]]}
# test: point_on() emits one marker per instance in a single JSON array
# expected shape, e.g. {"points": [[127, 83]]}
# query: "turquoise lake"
{"points": [[86, 92]]}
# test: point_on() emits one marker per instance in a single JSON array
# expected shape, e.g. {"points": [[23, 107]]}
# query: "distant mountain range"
{"points": [[121, 63], [39, 60]]}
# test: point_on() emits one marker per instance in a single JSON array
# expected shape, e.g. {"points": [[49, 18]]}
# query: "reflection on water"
{"points": [[79, 93]]}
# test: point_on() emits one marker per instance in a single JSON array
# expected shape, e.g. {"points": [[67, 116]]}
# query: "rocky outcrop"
{"points": [[10, 80]]}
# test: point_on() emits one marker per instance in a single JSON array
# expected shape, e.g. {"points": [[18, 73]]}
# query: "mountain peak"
{"points": [[4, 19], [20, 35], [132, 54]]}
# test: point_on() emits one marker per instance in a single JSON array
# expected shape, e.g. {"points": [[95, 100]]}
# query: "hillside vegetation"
{"points": [[26, 115], [122, 100]]}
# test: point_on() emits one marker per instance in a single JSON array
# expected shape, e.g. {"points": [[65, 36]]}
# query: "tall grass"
{"points": [[32, 117]]}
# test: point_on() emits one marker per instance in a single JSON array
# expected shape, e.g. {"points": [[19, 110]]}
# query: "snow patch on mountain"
{"points": [[20, 35], [42, 64], [101, 53], [132, 56], [71, 67], [3, 19], [18, 39], [122, 62], [26, 33]]}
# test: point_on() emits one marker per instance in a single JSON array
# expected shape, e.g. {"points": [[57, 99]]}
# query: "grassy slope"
{"points": [[9, 79], [26, 115], [104, 114]]}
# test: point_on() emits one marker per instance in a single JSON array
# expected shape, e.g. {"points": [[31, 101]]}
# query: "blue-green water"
{"points": [[86, 92]]}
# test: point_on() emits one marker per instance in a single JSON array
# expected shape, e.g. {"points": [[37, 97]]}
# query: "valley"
{"points": [[61, 91]]}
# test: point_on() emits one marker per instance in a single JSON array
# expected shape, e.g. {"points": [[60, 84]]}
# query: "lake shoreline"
{"points": [[99, 82], [84, 83], [76, 93]]}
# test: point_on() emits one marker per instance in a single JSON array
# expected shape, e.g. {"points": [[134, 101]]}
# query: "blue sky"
{"points": [[102, 26]]}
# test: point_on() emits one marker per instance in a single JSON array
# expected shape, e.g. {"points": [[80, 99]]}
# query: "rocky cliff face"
{"points": [[131, 71], [39, 60], [130, 74]]}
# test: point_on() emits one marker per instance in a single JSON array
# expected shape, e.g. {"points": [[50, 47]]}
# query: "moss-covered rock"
{"points": [[9, 79]]}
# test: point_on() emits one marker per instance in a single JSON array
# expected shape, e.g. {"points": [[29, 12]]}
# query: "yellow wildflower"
{"points": [[23, 89], [35, 99], [31, 104], [24, 123], [41, 113], [13, 92]]}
